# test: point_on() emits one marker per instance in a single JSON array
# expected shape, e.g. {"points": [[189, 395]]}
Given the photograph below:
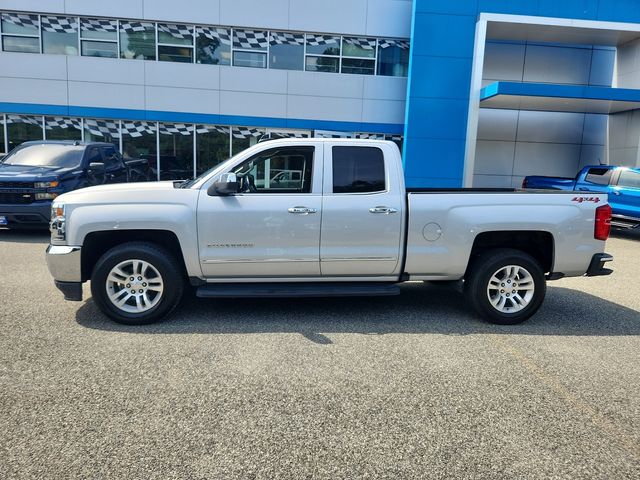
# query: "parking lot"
{"points": [[400, 387]]}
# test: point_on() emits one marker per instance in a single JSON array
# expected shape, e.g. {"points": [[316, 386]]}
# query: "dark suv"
{"points": [[34, 173]]}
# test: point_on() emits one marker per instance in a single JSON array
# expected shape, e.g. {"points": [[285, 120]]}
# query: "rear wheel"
{"points": [[505, 286], [137, 283]]}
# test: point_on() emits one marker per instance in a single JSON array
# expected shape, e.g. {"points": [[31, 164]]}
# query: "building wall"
{"points": [[513, 144]]}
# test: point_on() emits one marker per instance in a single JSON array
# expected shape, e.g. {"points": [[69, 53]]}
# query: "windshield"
{"points": [[193, 181], [46, 155]]}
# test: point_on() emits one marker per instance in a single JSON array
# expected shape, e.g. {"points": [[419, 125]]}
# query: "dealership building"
{"points": [[475, 92]]}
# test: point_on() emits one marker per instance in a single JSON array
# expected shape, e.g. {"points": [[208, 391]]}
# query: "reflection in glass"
{"points": [[245, 137], [286, 51], [213, 46], [176, 151], [62, 128], [138, 40], [23, 128], [393, 58], [59, 35], [212, 146], [102, 131]]}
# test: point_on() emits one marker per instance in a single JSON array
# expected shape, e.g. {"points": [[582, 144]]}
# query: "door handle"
{"points": [[385, 210], [616, 192], [302, 210]]}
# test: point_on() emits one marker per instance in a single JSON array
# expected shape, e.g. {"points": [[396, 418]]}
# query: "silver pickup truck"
{"points": [[319, 217]]}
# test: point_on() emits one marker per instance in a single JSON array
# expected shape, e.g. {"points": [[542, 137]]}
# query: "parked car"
{"points": [[34, 173], [621, 184], [350, 228]]}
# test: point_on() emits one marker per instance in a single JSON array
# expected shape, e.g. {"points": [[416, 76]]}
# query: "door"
{"points": [[625, 195], [114, 167], [362, 213], [271, 228]]}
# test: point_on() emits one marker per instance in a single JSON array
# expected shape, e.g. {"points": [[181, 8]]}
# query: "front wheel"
{"points": [[505, 286], [137, 283]]}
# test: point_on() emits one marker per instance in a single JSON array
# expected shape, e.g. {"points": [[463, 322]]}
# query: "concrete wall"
{"points": [[513, 144]]}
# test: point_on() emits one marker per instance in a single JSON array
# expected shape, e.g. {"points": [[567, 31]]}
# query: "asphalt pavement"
{"points": [[397, 387]]}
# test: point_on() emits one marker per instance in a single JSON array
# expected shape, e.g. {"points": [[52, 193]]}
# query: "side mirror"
{"points": [[96, 166], [227, 184]]}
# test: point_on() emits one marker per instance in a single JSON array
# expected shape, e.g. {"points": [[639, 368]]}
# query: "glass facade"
{"points": [[61, 128], [213, 145], [212, 45], [22, 128], [176, 151]]}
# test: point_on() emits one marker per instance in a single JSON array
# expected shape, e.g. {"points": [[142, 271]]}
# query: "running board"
{"points": [[279, 290]]}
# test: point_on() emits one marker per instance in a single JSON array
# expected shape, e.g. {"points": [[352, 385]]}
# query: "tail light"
{"points": [[603, 223]]}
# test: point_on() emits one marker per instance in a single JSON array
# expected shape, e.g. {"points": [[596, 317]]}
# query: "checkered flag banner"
{"points": [[330, 134], [370, 136], [175, 128], [394, 138], [223, 35], [21, 19], [59, 24], [317, 40], [246, 132], [212, 129], [284, 38], [250, 39], [102, 128], [137, 129], [98, 25], [364, 43], [287, 135], [131, 27], [182, 32], [24, 119], [385, 43], [61, 122]]}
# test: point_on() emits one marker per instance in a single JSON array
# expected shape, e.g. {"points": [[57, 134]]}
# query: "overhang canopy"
{"points": [[559, 98]]}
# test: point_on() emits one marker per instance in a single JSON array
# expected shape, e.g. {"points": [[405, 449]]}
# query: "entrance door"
{"points": [[271, 228]]}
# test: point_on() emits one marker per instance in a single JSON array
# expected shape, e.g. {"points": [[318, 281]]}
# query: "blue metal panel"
{"points": [[443, 156], [442, 77], [581, 9], [456, 7], [516, 7], [437, 118], [560, 91], [185, 117], [444, 35], [619, 11]]}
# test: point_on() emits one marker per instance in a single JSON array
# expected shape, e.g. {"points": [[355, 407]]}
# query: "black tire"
{"points": [[166, 265], [483, 269]]}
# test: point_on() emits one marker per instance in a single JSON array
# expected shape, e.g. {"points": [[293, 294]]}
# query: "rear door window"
{"points": [[358, 170], [599, 176], [629, 179], [94, 155], [111, 157]]}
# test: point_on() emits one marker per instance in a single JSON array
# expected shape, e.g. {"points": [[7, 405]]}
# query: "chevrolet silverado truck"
{"points": [[622, 185], [347, 226], [34, 173]]}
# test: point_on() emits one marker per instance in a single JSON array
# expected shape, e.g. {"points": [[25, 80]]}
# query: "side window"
{"points": [[277, 170], [629, 179], [93, 156], [111, 158], [599, 176], [358, 170]]}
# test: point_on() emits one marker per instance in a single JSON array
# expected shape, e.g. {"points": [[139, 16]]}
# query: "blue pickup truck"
{"points": [[34, 173], [621, 183]]}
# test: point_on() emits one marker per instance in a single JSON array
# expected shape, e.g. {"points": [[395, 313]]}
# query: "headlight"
{"points": [[46, 196], [58, 225], [53, 184]]}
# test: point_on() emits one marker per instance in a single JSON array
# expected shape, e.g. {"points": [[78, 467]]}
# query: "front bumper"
{"points": [[27, 215], [64, 262], [596, 267]]}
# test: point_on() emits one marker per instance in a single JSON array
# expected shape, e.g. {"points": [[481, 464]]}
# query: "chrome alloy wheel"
{"points": [[134, 286], [510, 289]]}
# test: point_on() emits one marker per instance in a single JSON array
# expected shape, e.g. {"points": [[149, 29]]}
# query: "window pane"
{"points": [[356, 65], [286, 50], [321, 64], [245, 137], [99, 29], [212, 145], [2, 149], [176, 151], [102, 131], [61, 128], [23, 128], [359, 47], [358, 169], [20, 44], [59, 35], [393, 58], [99, 49], [213, 46], [599, 176], [138, 40], [629, 179], [175, 54], [175, 34], [249, 59], [139, 142], [20, 24], [278, 170], [250, 39], [323, 44]]}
